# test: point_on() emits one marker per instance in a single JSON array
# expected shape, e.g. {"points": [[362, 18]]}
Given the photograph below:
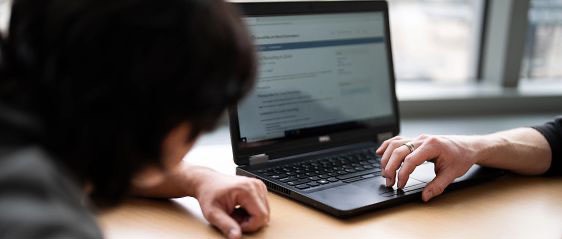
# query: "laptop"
{"points": [[324, 101]]}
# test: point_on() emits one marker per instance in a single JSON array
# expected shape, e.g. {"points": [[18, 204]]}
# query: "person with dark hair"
{"points": [[100, 99], [528, 151]]}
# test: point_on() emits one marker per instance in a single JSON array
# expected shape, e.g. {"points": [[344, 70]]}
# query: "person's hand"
{"points": [[219, 195], [452, 155]]}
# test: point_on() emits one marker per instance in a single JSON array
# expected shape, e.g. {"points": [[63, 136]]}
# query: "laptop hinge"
{"points": [[257, 159], [383, 136]]}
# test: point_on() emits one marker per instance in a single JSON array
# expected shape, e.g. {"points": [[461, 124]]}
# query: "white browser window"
{"points": [[316, 70]]}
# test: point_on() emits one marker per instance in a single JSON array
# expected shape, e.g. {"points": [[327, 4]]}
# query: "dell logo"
{"points": [[324, 139]]}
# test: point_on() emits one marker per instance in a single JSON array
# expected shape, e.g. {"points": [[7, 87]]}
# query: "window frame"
{"points": [[497, 88]]}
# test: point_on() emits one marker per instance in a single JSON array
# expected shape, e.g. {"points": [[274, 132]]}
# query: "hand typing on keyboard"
{"points": [[452, 155]]}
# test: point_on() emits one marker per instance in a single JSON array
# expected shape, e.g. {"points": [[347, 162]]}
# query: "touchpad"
{"points": [[380, 185], [424, 172]]}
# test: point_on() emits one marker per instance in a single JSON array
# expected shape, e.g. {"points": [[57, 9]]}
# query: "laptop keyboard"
{"points": [[343, 167]]}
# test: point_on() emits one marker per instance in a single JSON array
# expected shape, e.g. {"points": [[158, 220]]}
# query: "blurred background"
{"points": [[441, 40], [475, 56]]}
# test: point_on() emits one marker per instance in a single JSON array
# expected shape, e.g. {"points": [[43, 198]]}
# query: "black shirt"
{"points": [[552, 131], [37, 198]]}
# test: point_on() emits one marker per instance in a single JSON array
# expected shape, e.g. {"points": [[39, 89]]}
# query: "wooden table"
{"points": [[509, 207]]}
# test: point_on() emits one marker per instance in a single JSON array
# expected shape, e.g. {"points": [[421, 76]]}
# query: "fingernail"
{"points": [[428, 195], [388, 182], [234, 234]]}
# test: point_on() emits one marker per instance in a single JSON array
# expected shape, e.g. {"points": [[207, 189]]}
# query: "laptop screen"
{"points": [[317, 74]]}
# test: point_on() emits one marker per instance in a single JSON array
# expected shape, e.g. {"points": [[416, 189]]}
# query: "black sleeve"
{"points": [[552, 131], [38, 201]]}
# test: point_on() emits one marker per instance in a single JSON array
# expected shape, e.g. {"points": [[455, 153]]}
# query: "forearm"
{"points": [[522, 150], [180, 182]]}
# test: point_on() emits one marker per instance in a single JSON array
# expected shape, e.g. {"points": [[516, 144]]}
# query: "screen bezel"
{"points": [[286, 146]]}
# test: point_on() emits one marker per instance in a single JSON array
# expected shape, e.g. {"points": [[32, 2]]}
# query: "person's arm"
{"points": [[523, 150], [179, 182], [218, 195], [38, 200]]}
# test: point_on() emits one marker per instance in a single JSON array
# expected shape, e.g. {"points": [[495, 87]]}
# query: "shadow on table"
{"points": [[507, 188]]}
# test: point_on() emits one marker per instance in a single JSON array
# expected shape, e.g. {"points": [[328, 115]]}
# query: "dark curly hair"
{"points": [[109, 79]]}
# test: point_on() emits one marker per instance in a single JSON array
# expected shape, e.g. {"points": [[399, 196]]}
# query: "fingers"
{"points": [[437, 185], [423, 153], [255, 202], [394, 154], [239, 206], [394, 162], [389, 149], [226, 224], [396, 159], [384, 144], [264, 197]]}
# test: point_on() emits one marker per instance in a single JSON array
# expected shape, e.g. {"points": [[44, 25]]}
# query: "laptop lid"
{"points": [[325, 78]]}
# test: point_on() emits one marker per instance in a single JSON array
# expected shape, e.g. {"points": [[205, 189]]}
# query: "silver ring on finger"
{"points": [[410, 146]]}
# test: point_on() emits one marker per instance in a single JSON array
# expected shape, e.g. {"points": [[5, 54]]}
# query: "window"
{"points": [[543, 47], [436, 40], [4, 15]]}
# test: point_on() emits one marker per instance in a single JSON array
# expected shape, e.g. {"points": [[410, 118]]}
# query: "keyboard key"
{"points": [[333, 179], [313, 184], [368, 176], [287, 179], [302, 186], [351, 175], [350, 180], [301, 181], [323, 181]]}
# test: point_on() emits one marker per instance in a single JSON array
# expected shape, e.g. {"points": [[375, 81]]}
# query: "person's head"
{"points": [[110, 79]]}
